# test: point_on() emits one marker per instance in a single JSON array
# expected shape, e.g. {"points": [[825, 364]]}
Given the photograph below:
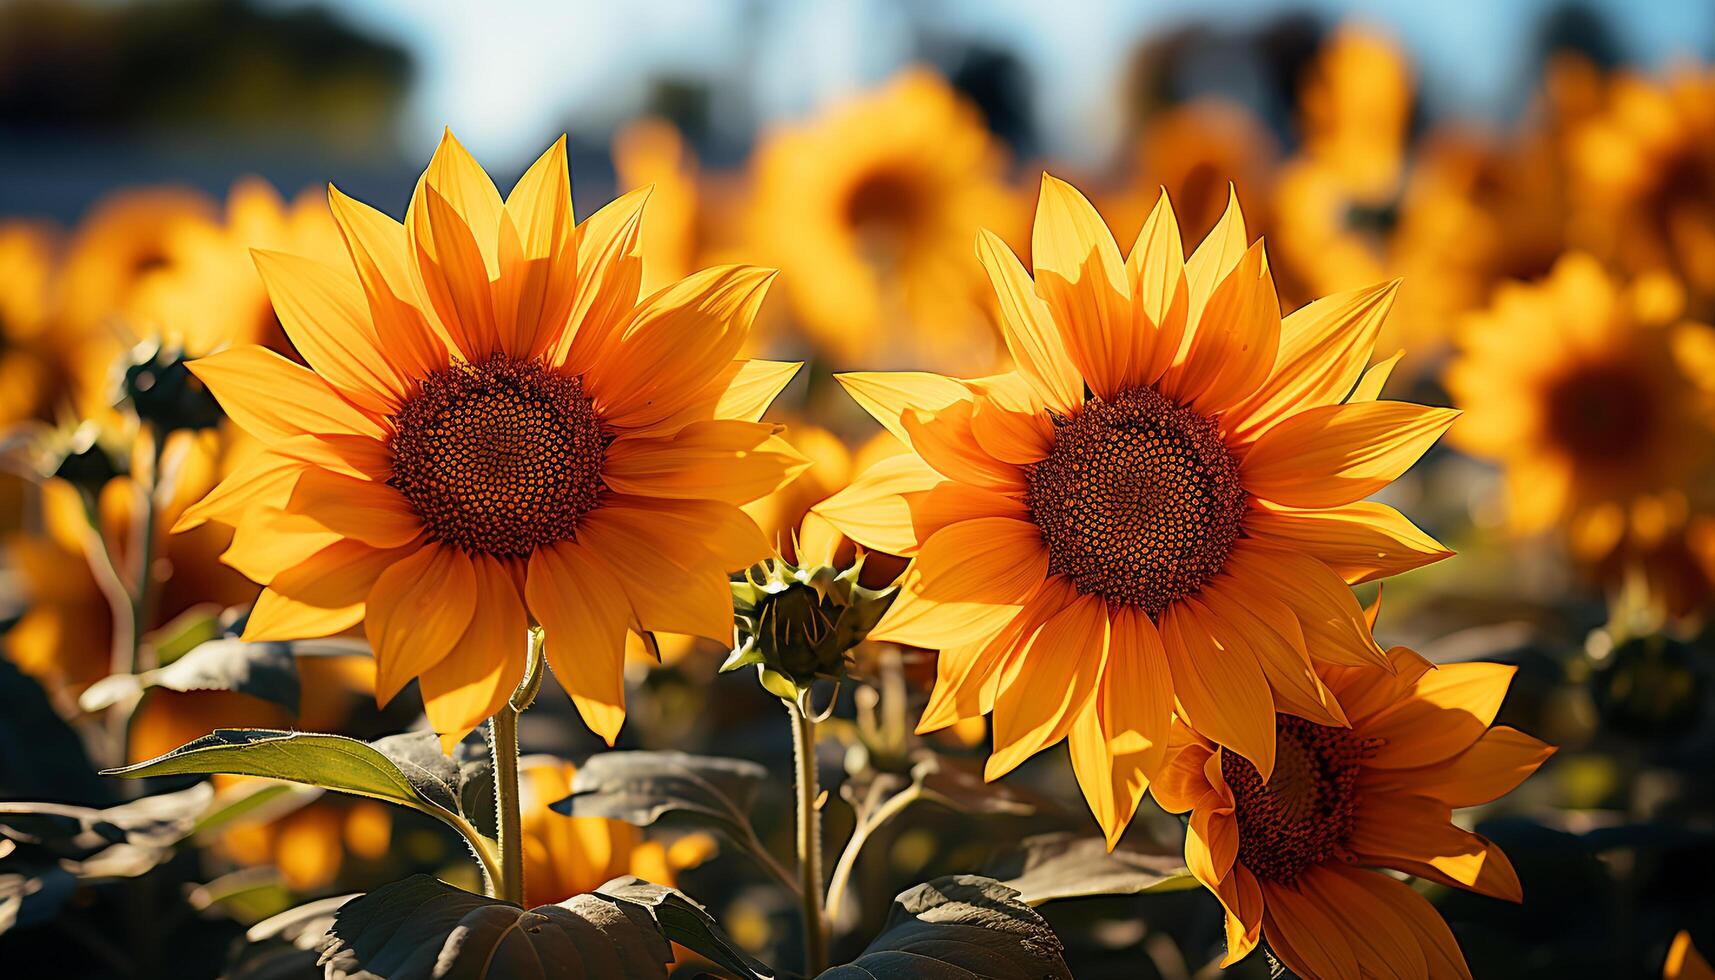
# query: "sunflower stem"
{"points": [[503, 740], [149, 509], [809, 838]]}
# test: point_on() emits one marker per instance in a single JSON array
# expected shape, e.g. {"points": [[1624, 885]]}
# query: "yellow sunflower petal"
{"points": [[1336, 454], [675, 344], [610, 273], [721, 459], [1028, 328], [1082, 281], [1216, 256], [1161, 295], [1491, 768], [968, 676], [457, 178], [273, 399], [1234, 346], [577, 598], [1134, 708], [1333, 624], [1212, 833], [671, 589], [540, 285], [1048, 684], [888, 395], [380, 252], [968, 580], [418, 609], [452, 273], [1361, 542], [1223, 691], [1365, 922], [321, 595], [1417, 835], [1323, 349], [266, 478], [327, 318], [1447, 710], [1369, 387], [696, 533], [473, 683], [1411, 914], [948, 442], [269, 540], [754, 386], [875, 511], [1282, 656]]}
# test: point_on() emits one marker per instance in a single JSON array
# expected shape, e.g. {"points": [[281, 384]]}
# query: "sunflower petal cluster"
{"points": [[494, 429]]}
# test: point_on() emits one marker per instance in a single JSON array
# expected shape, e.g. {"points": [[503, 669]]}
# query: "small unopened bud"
{"points": [[798, 625], [81, 458], [159, 387]]}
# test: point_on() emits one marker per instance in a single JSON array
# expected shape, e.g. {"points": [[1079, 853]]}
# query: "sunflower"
{"points": [[1642, 167], [566, 856], [122, 239], [27, 369], [1163, 503], [1289, 856], [495, 429], [868, 210], [204, 293], [1587, 391]]}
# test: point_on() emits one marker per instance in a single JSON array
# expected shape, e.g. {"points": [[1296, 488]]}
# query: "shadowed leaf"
{"points": [[955, 928], [420, 928], [1068, 865]]}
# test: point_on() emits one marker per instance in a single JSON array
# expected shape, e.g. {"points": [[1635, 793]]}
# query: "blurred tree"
{"points": [[226, 66]]}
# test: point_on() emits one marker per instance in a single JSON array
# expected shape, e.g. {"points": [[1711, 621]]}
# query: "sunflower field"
{"points": [[858, 490]]}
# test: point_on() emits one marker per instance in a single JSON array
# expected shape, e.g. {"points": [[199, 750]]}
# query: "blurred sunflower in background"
{"points": [[1295, 858], [203, 294], [484, 383], [652, 153], [1592, 393], [867, 210], [1161, 509], [566, 856], [1194, 151], [28, 369], [1642, 178]]}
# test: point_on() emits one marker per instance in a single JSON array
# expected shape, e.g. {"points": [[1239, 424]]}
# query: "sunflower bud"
{"points": [[159, 387], [81, 458], [798, 624]]}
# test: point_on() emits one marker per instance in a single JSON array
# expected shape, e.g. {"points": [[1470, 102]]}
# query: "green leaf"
{"points": [[80, 833], [407, 769], [420, 928], [640, 788], [1068, 865], [685, 922], [47, 848], [286, 946], [262, 670], [955, 928]]}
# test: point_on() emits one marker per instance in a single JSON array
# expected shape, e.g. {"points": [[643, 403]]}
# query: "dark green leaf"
{"points": [[82, 833], [640, 788], [421, 928], [1067, 865], [406, 769], [286, 946], [956, 928], [688, 924], [262, 670]]}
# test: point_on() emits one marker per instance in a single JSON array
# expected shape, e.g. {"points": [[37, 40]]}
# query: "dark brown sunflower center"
{"points": [[884, 202], [499, 457], [1601, 414], [1303, 816], [1139, 500]]}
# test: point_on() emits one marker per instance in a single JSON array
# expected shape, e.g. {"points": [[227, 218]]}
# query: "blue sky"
{"points": [[506, 74]]}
